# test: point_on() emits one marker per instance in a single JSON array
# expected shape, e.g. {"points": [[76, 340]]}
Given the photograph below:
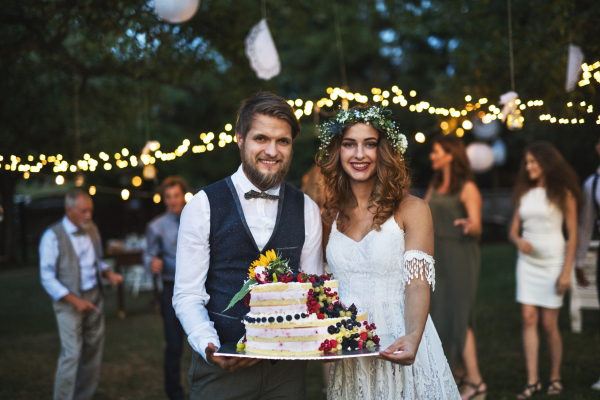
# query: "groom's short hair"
{"points": [[265, 103]]}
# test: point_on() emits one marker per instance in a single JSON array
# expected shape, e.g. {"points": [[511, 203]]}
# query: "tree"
{"points": [[140, 78]]}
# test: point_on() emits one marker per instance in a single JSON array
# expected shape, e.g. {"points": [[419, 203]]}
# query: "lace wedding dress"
{"points": [[372, 274]]}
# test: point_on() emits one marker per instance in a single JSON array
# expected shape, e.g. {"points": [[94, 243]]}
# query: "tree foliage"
{"points": [[140, 77]]}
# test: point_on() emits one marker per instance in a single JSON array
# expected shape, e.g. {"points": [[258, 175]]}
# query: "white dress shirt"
{"points": [[193, 253], [84, 248], [587, 220]]}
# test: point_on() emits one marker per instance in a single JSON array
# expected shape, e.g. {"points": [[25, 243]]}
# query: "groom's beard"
{"points": [[260, 180]]}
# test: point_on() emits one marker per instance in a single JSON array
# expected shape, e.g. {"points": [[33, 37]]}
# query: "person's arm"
{"points": [[471, 200], [152, 259], [523, 245], [311, 258], [48, 259], [585, 230], [564, 280], [190, 296], [418, 262]]}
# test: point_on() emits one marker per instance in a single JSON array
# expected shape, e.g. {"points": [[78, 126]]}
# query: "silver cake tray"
{"points": [[229, 349]]}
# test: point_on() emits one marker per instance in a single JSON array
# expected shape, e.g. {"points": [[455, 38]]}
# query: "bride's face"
{"points": [[358, 153]]}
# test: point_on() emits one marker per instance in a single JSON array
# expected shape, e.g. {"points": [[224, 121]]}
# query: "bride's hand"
{"points": [[403, 351]]}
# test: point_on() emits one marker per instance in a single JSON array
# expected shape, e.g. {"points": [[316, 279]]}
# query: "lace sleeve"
{"points": [[418, 264]]}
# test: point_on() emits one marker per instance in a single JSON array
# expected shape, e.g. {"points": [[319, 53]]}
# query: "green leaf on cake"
{"points": [[243, 292]]}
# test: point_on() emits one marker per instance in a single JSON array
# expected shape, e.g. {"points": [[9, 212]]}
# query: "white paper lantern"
{"points": [[481, 157], [261, 51], [176, 11]]}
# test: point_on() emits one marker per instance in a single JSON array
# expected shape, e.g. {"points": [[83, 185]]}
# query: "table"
{"points": [[124, 259]]}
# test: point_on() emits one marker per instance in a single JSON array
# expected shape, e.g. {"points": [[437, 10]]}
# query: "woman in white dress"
{"points": [[379, 241], [546, 195]]}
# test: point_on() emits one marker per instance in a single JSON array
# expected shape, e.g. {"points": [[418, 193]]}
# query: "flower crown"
{"points": [[378, 115]]}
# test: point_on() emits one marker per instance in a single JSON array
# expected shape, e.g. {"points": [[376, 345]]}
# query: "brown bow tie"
{"points": [[79, 232], [253, 194]]}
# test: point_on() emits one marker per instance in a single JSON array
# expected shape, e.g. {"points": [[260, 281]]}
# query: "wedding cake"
{"points": [[298, 314]]}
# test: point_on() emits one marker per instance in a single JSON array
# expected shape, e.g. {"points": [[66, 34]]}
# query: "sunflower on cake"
{"points": [[295, 314]]}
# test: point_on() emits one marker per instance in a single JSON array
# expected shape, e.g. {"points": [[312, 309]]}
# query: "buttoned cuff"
{"points": [[203, 344]]}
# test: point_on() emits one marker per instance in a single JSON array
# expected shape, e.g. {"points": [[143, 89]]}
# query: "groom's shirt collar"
{"points": [[240, 179]]}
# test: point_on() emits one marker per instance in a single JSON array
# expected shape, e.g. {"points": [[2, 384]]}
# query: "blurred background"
{"points": [[112, 96]]}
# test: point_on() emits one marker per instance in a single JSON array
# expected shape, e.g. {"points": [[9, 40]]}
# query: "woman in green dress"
{"points": [[455, 204]]}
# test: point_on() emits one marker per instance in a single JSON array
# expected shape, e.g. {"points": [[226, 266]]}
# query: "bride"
{"points": [[379, 241]]}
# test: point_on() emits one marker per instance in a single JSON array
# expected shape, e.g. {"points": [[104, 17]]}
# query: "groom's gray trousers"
{"points": [[262, 381]]}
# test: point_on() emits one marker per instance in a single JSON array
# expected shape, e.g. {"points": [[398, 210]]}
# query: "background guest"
{"points": [[159, 257], [546, 196], [70, 269], [588, 222], [455, 204]]}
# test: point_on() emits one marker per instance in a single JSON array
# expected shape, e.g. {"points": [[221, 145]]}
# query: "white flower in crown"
{"points": [[379, 116]]}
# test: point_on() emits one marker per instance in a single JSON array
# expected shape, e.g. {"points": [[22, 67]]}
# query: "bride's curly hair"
{"points": [[392, 182]]}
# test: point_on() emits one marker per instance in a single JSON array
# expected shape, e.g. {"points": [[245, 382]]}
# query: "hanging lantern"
{"points": [[261, 51], [176, 11], [481, 157], [149, 172], [510, 113], [514, 120], [483, 131], [499, 149]]}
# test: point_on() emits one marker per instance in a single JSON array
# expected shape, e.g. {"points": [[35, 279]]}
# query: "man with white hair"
{"points": [[70, 269]]}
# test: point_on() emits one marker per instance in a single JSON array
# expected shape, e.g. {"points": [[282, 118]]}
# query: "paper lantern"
{"points": [[514, 121], [261, 51], [176, 11], [499, 149], [483, 131], [481, 157]]}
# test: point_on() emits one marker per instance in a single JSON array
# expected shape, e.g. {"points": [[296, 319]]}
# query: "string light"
{"points": [[124, 194], [156, 198], [88, 163], [188, 197], [92, 190]]}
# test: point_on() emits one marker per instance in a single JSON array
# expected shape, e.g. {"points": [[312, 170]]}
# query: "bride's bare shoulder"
{"points": [[412, 210]]}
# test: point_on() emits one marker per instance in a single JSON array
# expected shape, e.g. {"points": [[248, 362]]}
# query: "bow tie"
{"points": [[253, 194], [79, 232]]}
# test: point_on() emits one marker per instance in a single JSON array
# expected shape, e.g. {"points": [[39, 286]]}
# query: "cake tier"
{"points": [[284, 348], [283, 287], [283, 298]]}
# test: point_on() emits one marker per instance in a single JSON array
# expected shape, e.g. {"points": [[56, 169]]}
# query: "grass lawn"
{"points": [[132, 367]]}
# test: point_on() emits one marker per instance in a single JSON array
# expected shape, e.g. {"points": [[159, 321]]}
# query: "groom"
{"points": [[223, 229]]}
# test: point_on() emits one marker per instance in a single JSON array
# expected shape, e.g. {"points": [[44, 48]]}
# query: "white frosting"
{"points": [[289, 309], [271, 333], [291, 285], [289, 346], [288, 294]]}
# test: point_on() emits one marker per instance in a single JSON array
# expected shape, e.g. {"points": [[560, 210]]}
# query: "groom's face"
{"points": [[266, 151]]}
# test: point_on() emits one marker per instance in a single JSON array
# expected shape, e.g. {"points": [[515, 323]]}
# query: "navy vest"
{"points": [[232, 250]]}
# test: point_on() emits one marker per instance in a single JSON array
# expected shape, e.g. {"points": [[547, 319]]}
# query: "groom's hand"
{"points": [[228, 363]]}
